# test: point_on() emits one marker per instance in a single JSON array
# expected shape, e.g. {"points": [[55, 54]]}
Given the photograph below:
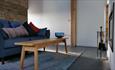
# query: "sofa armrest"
{"points": [[44, 33], [2, 40], [47, 34], [3, 34]]}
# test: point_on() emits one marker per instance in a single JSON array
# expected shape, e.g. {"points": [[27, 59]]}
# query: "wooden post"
{"points": [[107, 23], [73, 23]]}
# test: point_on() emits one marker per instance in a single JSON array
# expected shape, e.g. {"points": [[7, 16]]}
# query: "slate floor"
{"points": [[88, 60]]}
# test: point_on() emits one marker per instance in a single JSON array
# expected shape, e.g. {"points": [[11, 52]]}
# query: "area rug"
{"points": [[47, 61]]}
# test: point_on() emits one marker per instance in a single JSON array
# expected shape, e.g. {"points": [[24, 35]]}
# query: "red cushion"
{"points": [[34, 28]]}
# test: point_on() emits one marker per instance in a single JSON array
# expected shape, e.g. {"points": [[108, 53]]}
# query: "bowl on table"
{"points": [[59, 34]]}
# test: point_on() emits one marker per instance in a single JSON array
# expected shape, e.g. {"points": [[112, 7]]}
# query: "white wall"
{"points": [[56, 15], [90, 17], [35, 12], [53, 14]]}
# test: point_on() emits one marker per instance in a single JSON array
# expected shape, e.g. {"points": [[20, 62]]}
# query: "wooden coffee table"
{"points": [[35, 45]]}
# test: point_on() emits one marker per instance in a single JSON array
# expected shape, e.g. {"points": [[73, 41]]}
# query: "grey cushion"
{"points": [[15, 32]]}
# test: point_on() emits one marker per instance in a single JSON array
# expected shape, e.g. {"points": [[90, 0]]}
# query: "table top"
{"points": [[42, 41]]}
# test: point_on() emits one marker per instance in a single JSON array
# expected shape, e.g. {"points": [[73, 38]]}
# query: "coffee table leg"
{"points": [[44, 49], [22, 59], [35, 59], [57, 48], [65, 46]]}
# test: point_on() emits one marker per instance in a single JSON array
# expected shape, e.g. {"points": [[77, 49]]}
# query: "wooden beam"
{"points": [[107, 23], [73, 22]]}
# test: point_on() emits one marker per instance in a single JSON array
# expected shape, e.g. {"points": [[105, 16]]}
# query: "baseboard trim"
{"points": [[80, 46], [86, 46]]}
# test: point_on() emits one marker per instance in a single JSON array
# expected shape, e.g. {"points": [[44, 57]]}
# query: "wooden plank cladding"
{"points": [[13, 9], [23, 3], [73, 22]]}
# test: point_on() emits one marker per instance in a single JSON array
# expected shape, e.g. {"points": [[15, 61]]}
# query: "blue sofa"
{"points": [[7, 47]]}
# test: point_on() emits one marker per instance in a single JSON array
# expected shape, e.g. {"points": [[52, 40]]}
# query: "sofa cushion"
{"points": [[1, 25], [33, 27], [16, 32], [4, 23], [15, 24], [36, 37], [28, 28], [42, 32], [11, 51], [21, 31], [9, 43], [10, 32]]}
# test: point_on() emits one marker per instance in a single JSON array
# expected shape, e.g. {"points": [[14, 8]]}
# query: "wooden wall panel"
{"points": [[107, 23], [13, 9], [73, 23]]}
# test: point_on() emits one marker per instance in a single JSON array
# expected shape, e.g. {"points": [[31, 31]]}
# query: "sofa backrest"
{"points": [[15, 24], [4, 23], [9, 24]]}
